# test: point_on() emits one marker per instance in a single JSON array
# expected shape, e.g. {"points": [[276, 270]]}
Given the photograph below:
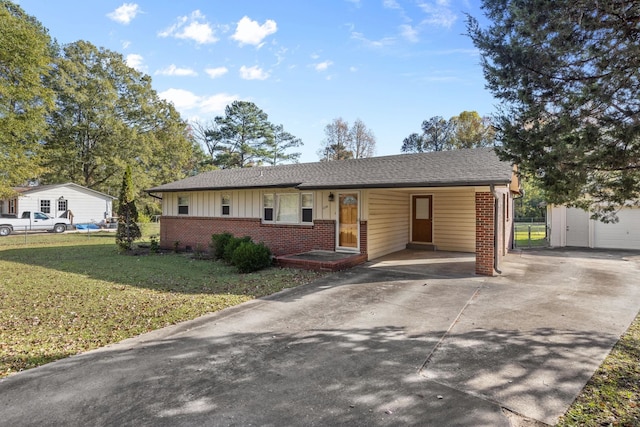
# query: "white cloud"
{"points": [[125, 44], [322, 66], [375, 44], [172, 70], [185, 100], [250, 32], [391, 4], [409, 33], [216, 72], [439, 13], [217, 103], [193, 27], [135, 61], [125, 13], [181, 99], [253, 73], [353, 69]]}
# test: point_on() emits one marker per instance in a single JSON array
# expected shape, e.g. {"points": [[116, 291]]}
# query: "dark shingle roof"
{"points": [[479, 166]]}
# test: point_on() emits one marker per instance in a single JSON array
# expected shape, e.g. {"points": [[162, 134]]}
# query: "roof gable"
{"points": [[467, 167], [39, 188]]}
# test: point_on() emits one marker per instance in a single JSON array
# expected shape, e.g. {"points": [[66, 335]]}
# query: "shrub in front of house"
{"points": [[249, 257], [232, 245], [218, 243]]}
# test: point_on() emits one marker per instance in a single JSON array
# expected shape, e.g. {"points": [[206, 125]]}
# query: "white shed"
{"points": [[86, 205], [573, 227]]}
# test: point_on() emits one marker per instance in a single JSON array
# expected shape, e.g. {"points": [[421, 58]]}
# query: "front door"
{"points": [[348, 220], [421, 222]]}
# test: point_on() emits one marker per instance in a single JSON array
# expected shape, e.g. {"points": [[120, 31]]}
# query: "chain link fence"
{"points": [[21, 235], [531, 234]]}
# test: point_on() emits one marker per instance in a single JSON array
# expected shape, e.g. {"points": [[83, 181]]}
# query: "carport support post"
{"points": [[485, 229]]}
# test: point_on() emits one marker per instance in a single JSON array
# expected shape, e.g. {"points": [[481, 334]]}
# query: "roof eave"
{"points": [[345, 186]]}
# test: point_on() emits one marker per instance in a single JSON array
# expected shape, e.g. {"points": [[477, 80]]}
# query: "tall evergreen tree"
{"points": [[568, 76], [240, 136], [276, 147], [128, 229]]}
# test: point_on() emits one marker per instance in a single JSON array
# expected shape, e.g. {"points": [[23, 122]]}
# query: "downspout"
{"points": [[495, 228]]}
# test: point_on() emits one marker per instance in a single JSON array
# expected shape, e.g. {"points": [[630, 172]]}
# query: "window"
{"points": [[12, 206], [226, 204], [45, 206], [288, 208], [267, 203], [183, 205], [38, 215], [307, 207], [62, 205]]}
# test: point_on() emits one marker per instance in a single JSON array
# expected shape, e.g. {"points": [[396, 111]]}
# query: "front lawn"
{"points": [[65, 294]]}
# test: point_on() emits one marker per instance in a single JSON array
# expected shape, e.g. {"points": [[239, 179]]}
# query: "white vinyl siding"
{"points": [[86, 205], [388, 222], [454, 220]]}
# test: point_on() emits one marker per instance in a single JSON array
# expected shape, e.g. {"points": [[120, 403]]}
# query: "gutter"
{"points": [[154, 196], [495, 228]]}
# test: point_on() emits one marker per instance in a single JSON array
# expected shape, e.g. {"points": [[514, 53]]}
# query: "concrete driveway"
{"points": [[399, 341]]}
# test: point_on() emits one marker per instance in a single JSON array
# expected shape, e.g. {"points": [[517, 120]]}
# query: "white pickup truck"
{"points": [[32, 221]]}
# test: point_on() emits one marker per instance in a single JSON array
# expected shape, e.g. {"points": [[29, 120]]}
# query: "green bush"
{"points": [[232, 245], [250, 257], [218, 242]]}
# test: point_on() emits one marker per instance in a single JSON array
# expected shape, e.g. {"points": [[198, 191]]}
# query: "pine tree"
{"points": [[568, 76], [128, 229]]}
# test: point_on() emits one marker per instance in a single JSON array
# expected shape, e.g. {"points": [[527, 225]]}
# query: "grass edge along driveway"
{"points": [[65, 294]]}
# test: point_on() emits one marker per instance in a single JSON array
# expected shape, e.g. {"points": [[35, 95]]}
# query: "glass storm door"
{"points": [[348, 220], [421, 221]]}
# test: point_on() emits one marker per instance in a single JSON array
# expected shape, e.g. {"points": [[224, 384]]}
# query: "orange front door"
{"points": [[348, 220], [422, 222]]}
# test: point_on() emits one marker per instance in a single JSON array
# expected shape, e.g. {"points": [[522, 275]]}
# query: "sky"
{"points": [[390, 63]]}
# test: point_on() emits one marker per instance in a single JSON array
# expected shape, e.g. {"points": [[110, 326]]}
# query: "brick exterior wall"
{"points": [[363, 237], [485, 247], [281, 239]]}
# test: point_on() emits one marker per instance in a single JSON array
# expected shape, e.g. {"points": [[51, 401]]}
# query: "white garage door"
{"points": [[624, 234]]}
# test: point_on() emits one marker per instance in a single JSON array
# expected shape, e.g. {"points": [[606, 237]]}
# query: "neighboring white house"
{"points": [[86, 205], [573, 227]]}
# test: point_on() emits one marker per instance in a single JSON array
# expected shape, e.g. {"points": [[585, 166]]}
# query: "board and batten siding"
{"points": [[388, 222], [454, 220], [244, 203]]}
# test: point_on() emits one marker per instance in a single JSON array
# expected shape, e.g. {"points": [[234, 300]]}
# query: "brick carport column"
{"points": [[485, 246]]}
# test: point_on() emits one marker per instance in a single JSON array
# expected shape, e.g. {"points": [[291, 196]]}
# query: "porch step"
{"points": [[422, 246]]}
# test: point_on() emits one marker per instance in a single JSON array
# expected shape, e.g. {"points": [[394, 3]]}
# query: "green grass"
{"points": [[612, 396], [69, 293], [530, 235]]}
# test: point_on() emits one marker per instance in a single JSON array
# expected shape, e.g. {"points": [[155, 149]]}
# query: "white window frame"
{"points": [[62, 203], [183, 203], [227, 204], [274, 205], [45, 206]]}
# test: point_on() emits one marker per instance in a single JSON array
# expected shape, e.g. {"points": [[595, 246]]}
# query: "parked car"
{"points": [[33, 221]]}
